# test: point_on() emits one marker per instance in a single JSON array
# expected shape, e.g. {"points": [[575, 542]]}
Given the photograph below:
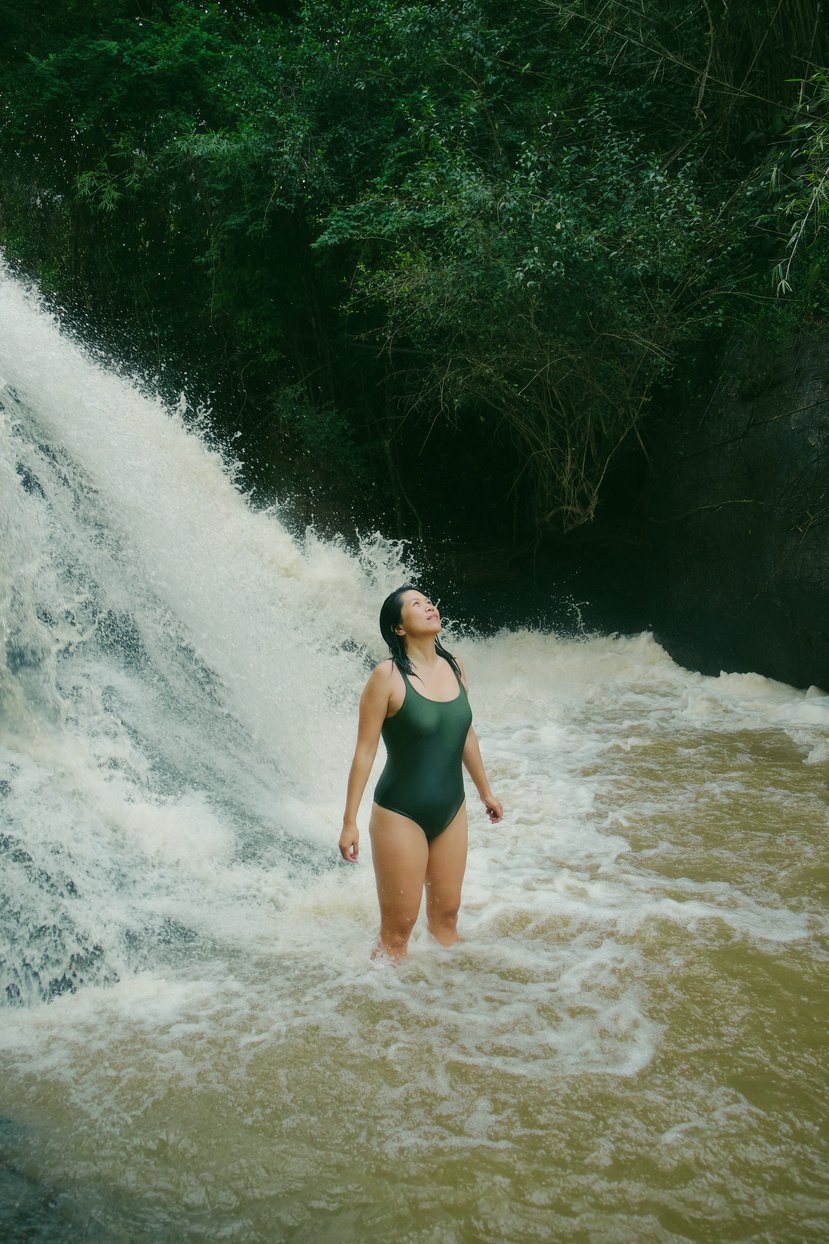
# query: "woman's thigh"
{"points": [[400, 854], [447, 864]]}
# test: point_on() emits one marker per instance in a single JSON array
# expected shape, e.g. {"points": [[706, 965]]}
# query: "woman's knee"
{"points": [[397, 927], [445, 914]]}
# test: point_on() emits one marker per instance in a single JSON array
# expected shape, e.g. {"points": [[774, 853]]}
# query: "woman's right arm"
{"points": [[374, 705]]}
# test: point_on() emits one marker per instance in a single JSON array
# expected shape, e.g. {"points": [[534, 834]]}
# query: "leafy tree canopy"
{"points": [[378, 236]]}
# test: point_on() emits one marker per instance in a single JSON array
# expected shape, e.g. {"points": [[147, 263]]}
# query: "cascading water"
{"points": [[628, 1043], [168, 693]]}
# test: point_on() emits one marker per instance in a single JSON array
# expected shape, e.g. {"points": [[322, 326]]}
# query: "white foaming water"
{"points": [[178, 688]]}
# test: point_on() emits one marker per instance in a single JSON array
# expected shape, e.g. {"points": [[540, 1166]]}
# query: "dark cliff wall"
{"points": [[736, 519]]}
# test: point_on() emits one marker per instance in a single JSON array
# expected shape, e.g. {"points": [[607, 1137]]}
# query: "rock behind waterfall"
{"points": [[737, 518]]}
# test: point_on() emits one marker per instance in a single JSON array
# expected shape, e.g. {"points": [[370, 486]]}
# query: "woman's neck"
{"points": [[422, 652]]}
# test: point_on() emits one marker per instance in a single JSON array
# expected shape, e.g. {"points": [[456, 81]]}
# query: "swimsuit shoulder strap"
{"points": [[456, 672]]}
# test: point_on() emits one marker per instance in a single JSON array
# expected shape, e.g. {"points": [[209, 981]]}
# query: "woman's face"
{"points": [[418, 616]]}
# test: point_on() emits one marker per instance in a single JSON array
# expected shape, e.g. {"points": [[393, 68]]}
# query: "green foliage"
{"points": [[800, 183], [550, 296], [355, 222], [314, 447]]}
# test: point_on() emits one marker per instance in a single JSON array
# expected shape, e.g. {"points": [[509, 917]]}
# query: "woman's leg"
{"points": [[444, 878], [400, 854]]}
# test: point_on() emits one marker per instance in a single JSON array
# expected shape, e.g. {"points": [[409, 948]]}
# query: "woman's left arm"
{"points": [[473, 762], [475, 768]]}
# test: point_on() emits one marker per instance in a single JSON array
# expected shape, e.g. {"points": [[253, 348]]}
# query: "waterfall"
{"points": [[177, 672]]}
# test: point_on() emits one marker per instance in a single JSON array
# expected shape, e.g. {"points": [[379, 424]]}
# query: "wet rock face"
{"points": [[737, 514]]}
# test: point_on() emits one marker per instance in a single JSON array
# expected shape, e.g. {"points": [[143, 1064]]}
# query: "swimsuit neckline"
{"points": [[428, 698]]}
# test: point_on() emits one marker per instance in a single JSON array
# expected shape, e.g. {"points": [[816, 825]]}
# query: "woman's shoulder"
{"points": [[459, 663], [385, 673], [385, 684], [451, 658]]}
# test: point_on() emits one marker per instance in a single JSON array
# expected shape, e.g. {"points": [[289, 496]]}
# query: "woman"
{"points": [[418, 826]]}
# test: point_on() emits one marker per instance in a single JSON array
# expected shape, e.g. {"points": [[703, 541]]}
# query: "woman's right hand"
{"points": [[349, 843]]}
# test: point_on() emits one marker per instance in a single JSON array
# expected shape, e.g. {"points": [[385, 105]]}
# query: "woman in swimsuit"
{"points": [[418, 702]]}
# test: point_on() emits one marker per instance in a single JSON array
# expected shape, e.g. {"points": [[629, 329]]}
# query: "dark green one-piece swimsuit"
{"points": [[423, 777]]}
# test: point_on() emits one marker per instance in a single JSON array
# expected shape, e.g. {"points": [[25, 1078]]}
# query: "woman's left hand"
{"points": [[494, 808]]}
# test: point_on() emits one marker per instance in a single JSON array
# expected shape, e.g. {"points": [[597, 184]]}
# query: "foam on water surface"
{"points": [[626, 1044]]}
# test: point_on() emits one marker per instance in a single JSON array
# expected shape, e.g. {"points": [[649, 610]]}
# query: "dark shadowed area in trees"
{"points": [[444, 267]]}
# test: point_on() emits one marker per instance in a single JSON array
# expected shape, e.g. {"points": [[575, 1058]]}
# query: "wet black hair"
{"points": [[390, 613]]}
